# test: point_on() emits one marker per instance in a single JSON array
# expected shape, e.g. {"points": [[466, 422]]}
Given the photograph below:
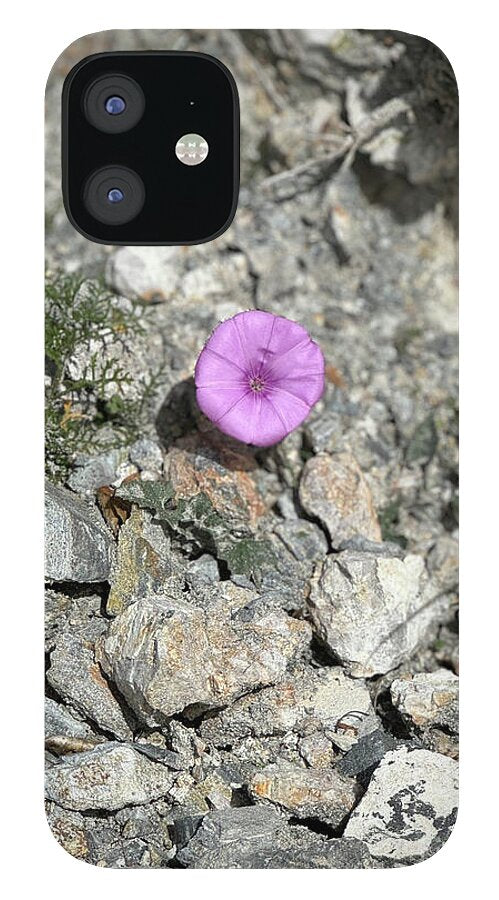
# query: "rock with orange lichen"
{"points": [[203, 463], [194, 523], [305, 793], [109, 777], [334, 490], [428, 699], [168, 656]]}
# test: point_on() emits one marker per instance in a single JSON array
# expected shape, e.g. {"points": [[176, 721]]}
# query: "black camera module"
{"points": [[114, 103], [114, 195], [150, 147]]}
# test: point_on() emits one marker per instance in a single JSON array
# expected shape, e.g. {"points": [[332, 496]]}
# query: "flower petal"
{"points": [[225, 345], [212, 367], [254, 420], [215, 402], [254, 332], [307, 378]]}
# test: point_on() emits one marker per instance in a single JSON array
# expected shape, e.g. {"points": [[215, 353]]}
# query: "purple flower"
{"points": [[258, 377]]}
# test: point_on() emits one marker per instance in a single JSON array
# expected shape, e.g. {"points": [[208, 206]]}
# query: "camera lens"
{"points": [[115, 106], [114, 195], [114, 103]]}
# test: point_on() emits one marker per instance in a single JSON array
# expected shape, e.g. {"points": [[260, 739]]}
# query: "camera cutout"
{"points": [[127, 179], [114, 195], [114, 103]]}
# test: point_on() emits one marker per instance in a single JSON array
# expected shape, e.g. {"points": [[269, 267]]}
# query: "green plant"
{"points": [[389, 523], [89, 411], [196, 522]]}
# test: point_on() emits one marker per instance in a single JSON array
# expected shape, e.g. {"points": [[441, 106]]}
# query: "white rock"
{"points": [[409, 808], [148, 273], [372, 610]]}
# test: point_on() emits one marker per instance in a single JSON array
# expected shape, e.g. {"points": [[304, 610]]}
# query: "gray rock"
{"points": [[372, 611], [325, 432], [366, 753], [409, 808], [281, 577], [184, 828], [428, 698], [333, 490], [251, 837], [303, 539], [337, 853], [79, 614], [305, 793], [76, 677], [228, 838], [306, 701], [110, 777], [168, 656], [443, 562], [91, 473], [57, 608], [285, 506], [147, 455], [205, 567], [78, 546], [59, 721]]}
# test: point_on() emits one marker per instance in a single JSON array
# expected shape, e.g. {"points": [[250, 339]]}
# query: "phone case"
{"points": [[252, 650]]}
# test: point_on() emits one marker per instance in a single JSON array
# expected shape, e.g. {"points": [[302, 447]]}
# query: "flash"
{"points": [[191, 149]]}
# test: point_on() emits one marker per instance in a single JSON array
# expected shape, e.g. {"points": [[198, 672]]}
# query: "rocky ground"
{"points": [[252, 655]]}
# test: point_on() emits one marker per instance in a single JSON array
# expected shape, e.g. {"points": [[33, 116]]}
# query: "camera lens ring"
{"points": [[114, 195], [113, 87]]}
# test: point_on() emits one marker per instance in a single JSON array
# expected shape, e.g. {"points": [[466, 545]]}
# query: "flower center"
{"points": [[257, 385]]}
